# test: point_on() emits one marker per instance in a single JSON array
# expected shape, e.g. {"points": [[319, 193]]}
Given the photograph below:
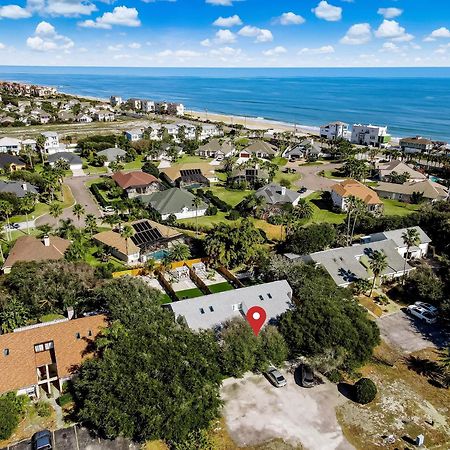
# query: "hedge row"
{"points": [[216, 201], [98, 196]]}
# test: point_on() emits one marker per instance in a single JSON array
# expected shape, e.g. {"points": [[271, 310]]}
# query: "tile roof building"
{"points": [[190, 175], [399, 167], [430, 190], [137, 183], [30, 248], [39, 358], [341, 192], [211, 311]]}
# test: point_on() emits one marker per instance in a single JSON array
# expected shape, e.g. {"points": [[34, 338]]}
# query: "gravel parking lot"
{"points": [[78, 438], [257, 412], [410, 334]]}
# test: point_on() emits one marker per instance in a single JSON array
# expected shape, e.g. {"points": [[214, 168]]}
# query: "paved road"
{"points": [[82, 196], [310, 178], [256, 412], [78, 438], [410, 334]]}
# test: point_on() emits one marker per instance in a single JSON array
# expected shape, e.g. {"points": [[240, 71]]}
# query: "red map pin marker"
{"points": [[256, 316]]}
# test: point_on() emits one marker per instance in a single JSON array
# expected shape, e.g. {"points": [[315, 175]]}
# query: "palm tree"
{"points": [[196, 202], [410, 238], [179, 252], [44, 230], [111, 220], [40, 145], [7, 209], [359, 207], [28, 151], [27, 205], [377, 263], [66, 228], [303, 210], [78, 211], [91, 224], [126, 233], [2, 237], [55, 209]]}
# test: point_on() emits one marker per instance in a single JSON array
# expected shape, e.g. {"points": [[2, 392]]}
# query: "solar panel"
{"points": [[145, 235]]}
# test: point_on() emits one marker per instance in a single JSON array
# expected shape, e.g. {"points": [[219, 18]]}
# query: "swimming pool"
{"points": [[435, 179], [158, 255]]}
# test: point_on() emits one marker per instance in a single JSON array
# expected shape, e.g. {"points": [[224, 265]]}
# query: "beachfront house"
{"points": [[416, 144], [371, 135], [334, 130]]}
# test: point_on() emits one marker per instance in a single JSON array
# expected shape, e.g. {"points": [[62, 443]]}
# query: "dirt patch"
{"points": [[406, 405]]}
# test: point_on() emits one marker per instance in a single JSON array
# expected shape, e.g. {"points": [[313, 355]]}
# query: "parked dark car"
{"points": [[302, 190], [42, 440], [307, 376]]}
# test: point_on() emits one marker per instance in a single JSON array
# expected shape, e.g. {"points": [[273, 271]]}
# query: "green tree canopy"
{"points": [[310, 239]]}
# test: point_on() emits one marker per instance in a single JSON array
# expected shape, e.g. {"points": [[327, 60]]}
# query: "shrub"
{"points": [[365, 391], [334, 376], [65, 399], [43, 409], [211, 211], [12, 408], [233, 215]]}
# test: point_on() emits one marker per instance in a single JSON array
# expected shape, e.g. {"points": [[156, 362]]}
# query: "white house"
{"points": [[11, 145], [372, 135], [84, 118], [104, 116], [51, 144], [209, 131], [334, 130], [115, 100], [153, 131], [134, 135], [414, 252], [148, 106]]}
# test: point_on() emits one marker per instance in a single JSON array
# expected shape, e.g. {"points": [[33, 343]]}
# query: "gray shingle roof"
{"points": [[396, 236], [112, 153], [275, 194], [275, 298], [71, 158], [171, 201], [17, 187]]}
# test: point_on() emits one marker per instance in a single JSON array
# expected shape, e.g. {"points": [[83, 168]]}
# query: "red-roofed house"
{"points": [[137, 183]]}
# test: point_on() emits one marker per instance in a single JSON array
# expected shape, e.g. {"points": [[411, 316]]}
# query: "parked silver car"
{"points": [[421, 314], [427, 307], [275, 377]]}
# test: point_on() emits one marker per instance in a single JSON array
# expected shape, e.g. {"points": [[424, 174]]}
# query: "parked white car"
{"points": [[421, 314], [427, 307]]}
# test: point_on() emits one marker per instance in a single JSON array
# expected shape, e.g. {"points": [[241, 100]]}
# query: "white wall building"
{"points": [[51, 144], [134, 135], [148, 106], [334, 130], [372, 135], [11, 145]]}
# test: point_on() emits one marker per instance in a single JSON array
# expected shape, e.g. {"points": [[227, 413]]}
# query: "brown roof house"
{"points": [[259, 149], [147, 241], [430, 190], [341, 192], [37, 359], [387, 171], [137, 183], [190, 175], [29, 248]]}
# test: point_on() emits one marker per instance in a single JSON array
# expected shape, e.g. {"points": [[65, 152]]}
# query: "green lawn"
{"points": [[189, 293], [190, 159], [332, 174], [50, 318], [291, 177], [231, 197], [165, 299], [321, 213], [279, 161], [220, 287], [133, 165], [396, 208], [92, 170]]}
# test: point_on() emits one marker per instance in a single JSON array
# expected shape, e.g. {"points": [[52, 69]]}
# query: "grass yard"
{"points": [[92, 170], [232, 197], [220, 287], [279, 161], [396, 208], [291, 177], [191, 159], [189, 293], [332, 174], [321, 213], [134, 165]]}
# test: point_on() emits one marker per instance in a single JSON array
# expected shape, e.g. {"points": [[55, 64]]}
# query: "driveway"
{"points": [[82, 196], [257, 412], [78, 438], [410, 334], [310, 178]]}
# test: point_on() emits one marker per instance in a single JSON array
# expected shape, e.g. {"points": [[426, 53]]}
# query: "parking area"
{"points": [[78, 438], [257, 412], [410, 334]]}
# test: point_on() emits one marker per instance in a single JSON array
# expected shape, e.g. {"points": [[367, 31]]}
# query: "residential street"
{"points": [[78, 438], [81, 195], [310, 178], [256, 412]]}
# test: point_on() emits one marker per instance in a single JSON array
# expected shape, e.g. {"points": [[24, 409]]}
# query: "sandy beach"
{"points": [[254, 123]]}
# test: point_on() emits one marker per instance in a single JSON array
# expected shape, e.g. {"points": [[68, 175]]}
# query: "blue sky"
{"points": [[225, 33]]}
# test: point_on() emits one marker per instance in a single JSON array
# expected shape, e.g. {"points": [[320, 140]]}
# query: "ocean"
{"points": [[410, 101]]}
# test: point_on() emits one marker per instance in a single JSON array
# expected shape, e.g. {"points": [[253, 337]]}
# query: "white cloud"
{"points": [[438, 33], [357, 34], [279, 50], [317, 51], [389, 47], [115, 48], [134, 45], [220, 2], [225, 37], [14, 12], [390, 29], [47, 39], [65, 8], [121, 16], [390, 13], [290, 18], [2, 46], [327, 12], [442, 50], [261, 35], [178, 54], [206, 43], [227, 22]]}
